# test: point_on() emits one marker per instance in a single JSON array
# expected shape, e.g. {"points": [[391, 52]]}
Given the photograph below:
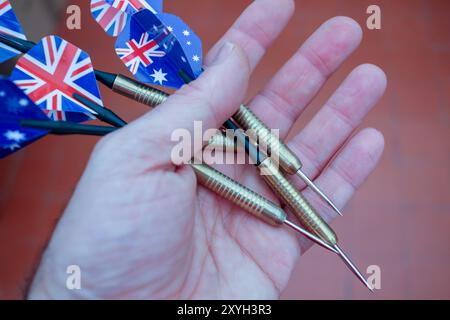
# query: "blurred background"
{"points": [[399, 220]]}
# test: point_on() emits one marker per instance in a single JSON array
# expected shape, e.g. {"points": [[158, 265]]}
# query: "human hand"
{"points": [[139, 227]]}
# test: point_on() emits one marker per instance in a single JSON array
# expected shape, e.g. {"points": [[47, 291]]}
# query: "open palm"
{"points": [[139, 227]]}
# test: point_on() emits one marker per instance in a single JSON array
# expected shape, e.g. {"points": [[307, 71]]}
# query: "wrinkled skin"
{"points": [[139, 227]]}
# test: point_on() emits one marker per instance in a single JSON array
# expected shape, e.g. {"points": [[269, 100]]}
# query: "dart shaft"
{"points": [[16, 43], [66, 128], [100, 112]]}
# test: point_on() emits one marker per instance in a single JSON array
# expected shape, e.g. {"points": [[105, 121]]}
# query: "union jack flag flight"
{"points": [[139, 53], [112, 20], [14, 106], [9, 25], [51, 72], [156, 47], [133, 6]]}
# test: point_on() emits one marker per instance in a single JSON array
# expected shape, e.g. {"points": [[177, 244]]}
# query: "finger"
{"points": [[338, 118], [282, 101], [211, 99], [348, 171], [257, 27]]}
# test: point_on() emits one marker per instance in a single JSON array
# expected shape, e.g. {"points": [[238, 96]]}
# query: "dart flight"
{"points": [[9, 25], [51, 72]]}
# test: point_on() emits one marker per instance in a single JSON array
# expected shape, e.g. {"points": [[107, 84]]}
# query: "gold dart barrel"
{"points": [[258, 131], [255, 128], [288, 160], [221, 142], [249, 200], [318, 230], [240, 195], [306, 214], [139, 92]]}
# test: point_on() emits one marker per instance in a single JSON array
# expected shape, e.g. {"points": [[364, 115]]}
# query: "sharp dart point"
{"points": [[310, 236], [352, 267], [318, 191]]}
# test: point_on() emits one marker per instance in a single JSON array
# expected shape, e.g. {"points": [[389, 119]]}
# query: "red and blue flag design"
{"points": [[9, 25], [113, 15], [133, 6], [15, 105], [157, 47], [112, 20], [51, 72]]}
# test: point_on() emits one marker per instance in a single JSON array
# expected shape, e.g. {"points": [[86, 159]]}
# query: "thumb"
{"points": [[211, 99]]}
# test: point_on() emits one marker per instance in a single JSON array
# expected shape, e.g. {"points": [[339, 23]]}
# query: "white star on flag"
{"points": [[23, 102], [196, 58], [159, 76], [15, 135], [188, 43], [186, 33], [170, 28]]}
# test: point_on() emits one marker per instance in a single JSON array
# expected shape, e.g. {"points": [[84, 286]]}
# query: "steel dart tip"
{"points": [[310, 236], [352, 267], [316, 189]]}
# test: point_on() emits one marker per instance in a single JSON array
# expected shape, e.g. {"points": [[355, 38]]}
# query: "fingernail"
{"points": [[223, 53]]}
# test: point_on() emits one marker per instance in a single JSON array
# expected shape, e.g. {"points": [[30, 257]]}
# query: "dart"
{"points": [[22, 122], [161, 49], [99, 112], [155, 42], [9, 25], [113, 15], [165, 45], [243, 197], [51, 71], [116, 82]]}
